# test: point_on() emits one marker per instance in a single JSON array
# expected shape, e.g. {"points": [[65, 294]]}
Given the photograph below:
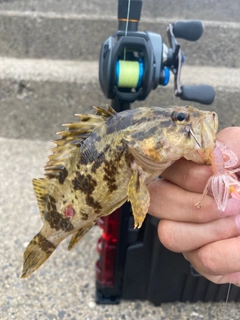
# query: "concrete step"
{"points": [[218, 10], [37, 96], [51, 35]]}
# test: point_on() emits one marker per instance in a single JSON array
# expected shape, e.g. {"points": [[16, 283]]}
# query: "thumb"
{"points": [[231, 138]]}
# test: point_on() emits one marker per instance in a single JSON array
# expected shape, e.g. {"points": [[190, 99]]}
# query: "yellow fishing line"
{"points": [[129, 72]]}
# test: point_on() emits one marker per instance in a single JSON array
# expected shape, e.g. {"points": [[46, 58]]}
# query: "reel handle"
{"points": [[203, 93], [190, 30]]}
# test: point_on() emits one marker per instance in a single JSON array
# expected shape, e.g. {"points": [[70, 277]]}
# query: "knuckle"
{"points": [[207, 261], [167, 235]]}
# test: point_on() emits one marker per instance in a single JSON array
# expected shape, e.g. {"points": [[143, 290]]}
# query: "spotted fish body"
{"points": [[106, 159]]}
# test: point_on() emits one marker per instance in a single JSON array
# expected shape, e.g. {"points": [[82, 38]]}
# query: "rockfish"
{"points": [[106, 159]]}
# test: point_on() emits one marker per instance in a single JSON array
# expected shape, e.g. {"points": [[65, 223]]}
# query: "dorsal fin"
{"points": [[62, 158], [106, 113]]}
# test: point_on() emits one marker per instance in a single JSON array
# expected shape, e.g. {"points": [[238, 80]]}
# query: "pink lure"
{"points": [[223, 182]]}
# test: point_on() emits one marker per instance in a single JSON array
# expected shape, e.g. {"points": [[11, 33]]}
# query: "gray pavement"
{"points": [[63, 288], [48, 72]]}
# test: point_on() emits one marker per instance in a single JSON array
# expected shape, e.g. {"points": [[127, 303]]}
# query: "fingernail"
{"points": [[233, 207], [237, 221]]}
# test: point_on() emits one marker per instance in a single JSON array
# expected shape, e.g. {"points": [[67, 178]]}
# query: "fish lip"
{"points": [[205, 155], [206, 140]]}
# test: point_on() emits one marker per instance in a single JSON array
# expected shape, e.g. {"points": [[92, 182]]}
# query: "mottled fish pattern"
{"points": [[103, 160]]}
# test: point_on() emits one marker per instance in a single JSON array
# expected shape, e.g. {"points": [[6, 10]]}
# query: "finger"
{"points": [[185, 173], [231, 137], [168, 201], [217, 259], [232, 278], [184, 236]]}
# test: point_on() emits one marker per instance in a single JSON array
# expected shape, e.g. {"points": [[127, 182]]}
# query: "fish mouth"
{"points": [[204, 155], [206, 140], [209, 132]]}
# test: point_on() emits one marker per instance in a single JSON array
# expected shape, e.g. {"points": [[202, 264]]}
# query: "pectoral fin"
{"points": [[139, 197]]}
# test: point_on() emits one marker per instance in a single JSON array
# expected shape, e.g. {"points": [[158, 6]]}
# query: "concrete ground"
{"points": [[48, 72]]}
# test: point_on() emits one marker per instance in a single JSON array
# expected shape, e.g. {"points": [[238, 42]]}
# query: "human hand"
{"points": [[208, 239]]}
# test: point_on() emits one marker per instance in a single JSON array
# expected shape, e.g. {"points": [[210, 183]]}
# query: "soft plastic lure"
{"points": [[224, 182]]}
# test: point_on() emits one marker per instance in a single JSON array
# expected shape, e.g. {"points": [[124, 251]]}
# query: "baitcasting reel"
{"points": [[133, 63]]}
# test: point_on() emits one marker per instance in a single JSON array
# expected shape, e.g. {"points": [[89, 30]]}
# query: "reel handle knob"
{"points": [[190, 30], [203, 93]]}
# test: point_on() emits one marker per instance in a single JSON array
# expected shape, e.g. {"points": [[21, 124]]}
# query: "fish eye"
{"points": [[180, 117]]}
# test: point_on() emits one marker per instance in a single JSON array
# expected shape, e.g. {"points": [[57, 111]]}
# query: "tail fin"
{"points": [[36, 253]]}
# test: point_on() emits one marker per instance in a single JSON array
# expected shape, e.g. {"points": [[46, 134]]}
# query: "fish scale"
{"points": [[103, 160]]}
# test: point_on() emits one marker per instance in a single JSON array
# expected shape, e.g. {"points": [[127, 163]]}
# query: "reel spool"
{"points": [[129, 74]]}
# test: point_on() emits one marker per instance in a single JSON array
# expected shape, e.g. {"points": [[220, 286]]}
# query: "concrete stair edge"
{"points": [[34, 35], [34, 101], [211, 9], [79, 71]]}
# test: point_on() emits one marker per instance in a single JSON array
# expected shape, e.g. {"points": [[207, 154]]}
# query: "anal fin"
{"points": [[78, 235]]}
